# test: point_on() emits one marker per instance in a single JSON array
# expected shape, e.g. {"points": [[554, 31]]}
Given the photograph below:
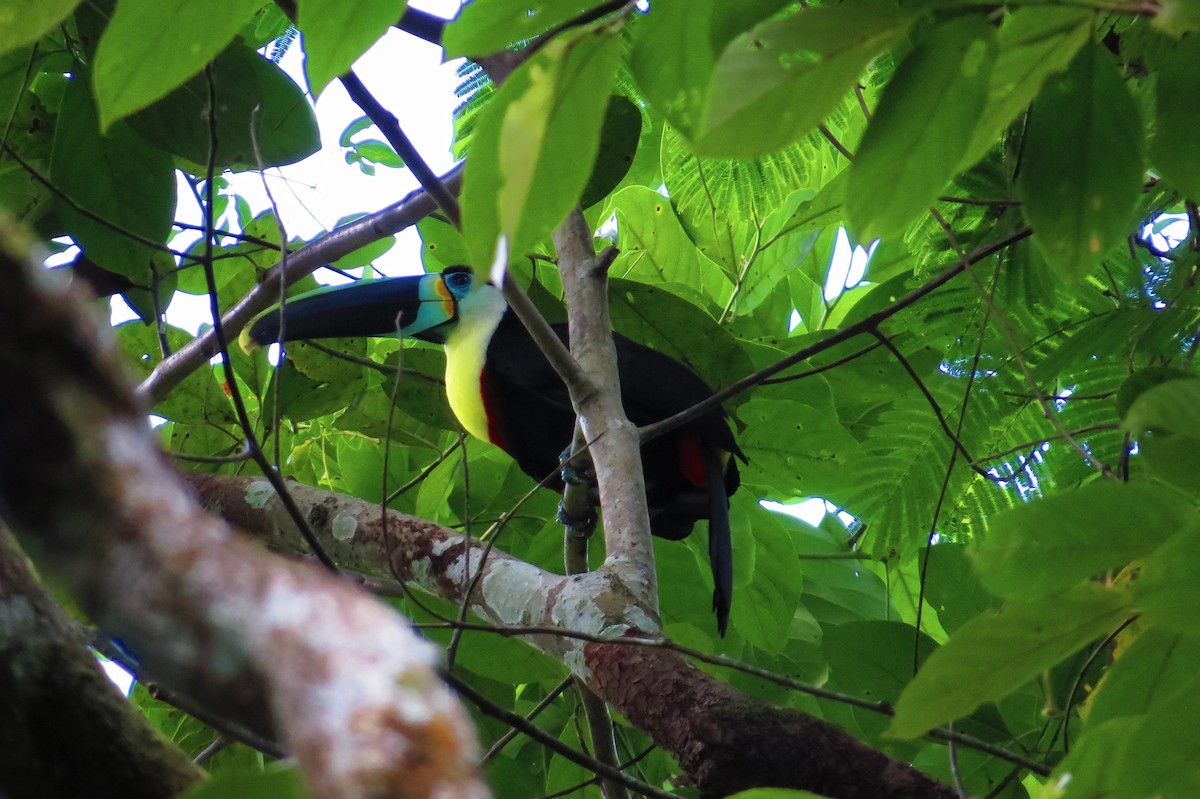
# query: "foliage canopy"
{"points": [[1003, 408]]}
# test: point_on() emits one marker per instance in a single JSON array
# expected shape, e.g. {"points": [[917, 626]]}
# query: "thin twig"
{"points": [[490, 708], [231, 383], [864, 325], [389, 126]]}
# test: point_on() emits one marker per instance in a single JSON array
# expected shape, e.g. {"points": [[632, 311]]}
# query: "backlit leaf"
{"points": [[152, 46], [922, 127], [337, 32], [536, 143], [1051, 544], [1082, 167], [995, 653]]}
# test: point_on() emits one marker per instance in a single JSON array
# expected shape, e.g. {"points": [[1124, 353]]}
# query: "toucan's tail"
{"points": [[720, 542]]}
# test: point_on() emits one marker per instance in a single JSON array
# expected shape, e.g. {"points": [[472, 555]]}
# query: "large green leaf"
{"points": [[874, 659], [1169, 407], [251, 93], [1141, 756], [151, 46], [1165, 587], [337, 32], [113, 177], [677, 48], [656, 249], [665, 322], [767, 576], [997, 652], [1051, 544], [22, 22], [486, 28], [922, 127], [1082, 168], [1145, 674], [1034, 43], [794, 449], [536, 143], [778, 80]]}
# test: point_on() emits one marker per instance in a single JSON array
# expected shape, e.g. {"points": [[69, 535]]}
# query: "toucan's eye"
{"points": [[458, 280]]}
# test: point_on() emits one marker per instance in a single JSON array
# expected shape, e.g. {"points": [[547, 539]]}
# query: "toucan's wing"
{"points": [[655, 386]]}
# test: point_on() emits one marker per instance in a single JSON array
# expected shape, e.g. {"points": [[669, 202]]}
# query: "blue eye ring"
{"points": [[458, 278]]}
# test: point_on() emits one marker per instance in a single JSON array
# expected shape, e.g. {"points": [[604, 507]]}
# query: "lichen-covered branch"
{"points": [[724, 740], [65, 730], [337, 675]]}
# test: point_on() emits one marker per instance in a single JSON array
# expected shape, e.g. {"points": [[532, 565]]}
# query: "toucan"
{"points": [[503, 390]]}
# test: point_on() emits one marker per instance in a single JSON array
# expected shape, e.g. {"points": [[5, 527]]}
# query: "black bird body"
{"points": [[504, 390]]}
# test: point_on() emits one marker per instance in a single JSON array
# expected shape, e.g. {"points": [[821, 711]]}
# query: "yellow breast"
{"points": [[466, 352]]}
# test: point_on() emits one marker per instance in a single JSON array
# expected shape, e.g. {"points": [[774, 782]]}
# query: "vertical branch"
{"points": [[616, 454]]}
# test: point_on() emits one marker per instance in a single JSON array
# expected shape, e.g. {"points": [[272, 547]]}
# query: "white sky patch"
{"points": [[847, 266], [811, 511], [120, 678], [1166, 231]]}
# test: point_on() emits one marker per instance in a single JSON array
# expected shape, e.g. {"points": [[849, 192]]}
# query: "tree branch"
{"points": [[171, 371], [272, 644], [616, 454], [65, 730]]}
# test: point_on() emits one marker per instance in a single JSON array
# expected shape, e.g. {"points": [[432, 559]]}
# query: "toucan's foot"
{"points": [[578, 527], [577, 475]]}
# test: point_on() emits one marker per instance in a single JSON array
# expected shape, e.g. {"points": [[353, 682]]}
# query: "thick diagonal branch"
{"points": [[280, 646], [344, 240]]}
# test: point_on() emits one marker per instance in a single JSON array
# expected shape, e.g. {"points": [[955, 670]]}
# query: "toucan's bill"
{"points": [[415, 306]]}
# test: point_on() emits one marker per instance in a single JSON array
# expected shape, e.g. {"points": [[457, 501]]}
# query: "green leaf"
{"points": [[665, 322], [1175, 460], [115, 177], [486, 28], [767, 584], [952, 587], [336, 33], [1051, 544], [22, 22], [1142, 381], [618, 146], [777, 81], [1174, 149], [199, 398], [1156, 665], [536, 144], [1170, 407], [656, 249], [997, 652], [677, 48], [873, 659], [152, 46], [1082, 168], [1177, 17], [794, 449], [1142, 756], [922, 127], [1165, 586], [302, 398], [250, 89], [1034, 43]]}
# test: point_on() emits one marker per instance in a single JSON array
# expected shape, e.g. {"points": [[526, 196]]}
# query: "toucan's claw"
{"points": [[574, 475], [578, 527]]}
